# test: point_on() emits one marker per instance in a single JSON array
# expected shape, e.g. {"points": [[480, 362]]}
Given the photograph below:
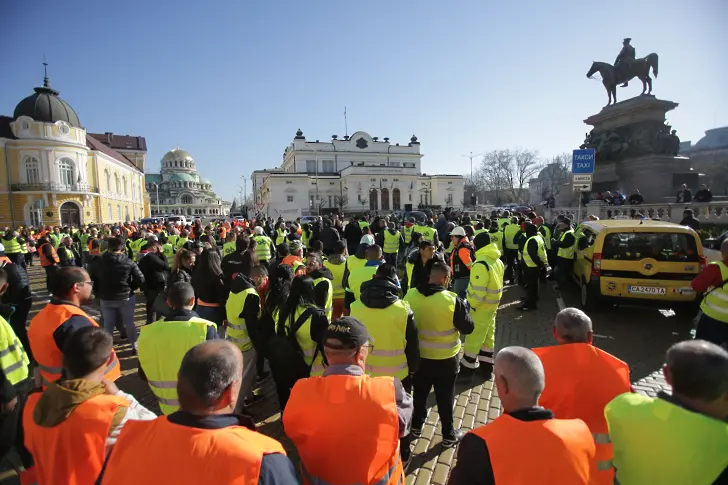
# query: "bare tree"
{"points": [[556, 175], [525, 164], [340, 201]]}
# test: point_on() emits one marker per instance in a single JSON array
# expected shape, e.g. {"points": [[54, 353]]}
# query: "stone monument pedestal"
{"points": [[636, 149]]}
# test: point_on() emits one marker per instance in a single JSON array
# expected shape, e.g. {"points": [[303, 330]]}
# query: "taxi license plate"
{"points": [[647, 290]]}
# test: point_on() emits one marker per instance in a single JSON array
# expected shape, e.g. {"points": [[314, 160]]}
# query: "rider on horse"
{"points": [[625, 57]]}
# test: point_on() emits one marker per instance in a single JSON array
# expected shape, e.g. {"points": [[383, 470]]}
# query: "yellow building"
{"points": [[53, 172]]}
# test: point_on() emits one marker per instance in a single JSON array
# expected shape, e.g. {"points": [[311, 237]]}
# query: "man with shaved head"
{"points": [[678, 438], [527, 444], [713, 282], [203, 442], [580, 380]]}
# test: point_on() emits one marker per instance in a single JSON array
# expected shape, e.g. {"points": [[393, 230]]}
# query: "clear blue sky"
{"points": [[231, 81]]}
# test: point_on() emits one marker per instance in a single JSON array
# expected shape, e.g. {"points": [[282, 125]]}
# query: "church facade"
{"points": [[179, 190], [358, 173]]}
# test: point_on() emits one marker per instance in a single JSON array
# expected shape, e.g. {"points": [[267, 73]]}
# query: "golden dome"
{"points": [[176, 154]]}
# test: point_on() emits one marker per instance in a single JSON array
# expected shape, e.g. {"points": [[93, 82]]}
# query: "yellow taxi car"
{"points": [[639, 260]]}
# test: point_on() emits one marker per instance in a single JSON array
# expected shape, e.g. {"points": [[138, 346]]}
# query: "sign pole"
{"points": [[578, 209]]}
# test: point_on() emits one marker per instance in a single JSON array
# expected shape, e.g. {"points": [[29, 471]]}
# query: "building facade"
{"points": [[178, 189], [358, 173], [54, 172], [709, 157]]}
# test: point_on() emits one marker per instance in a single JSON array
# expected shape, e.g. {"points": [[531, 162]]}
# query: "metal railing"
{"points": [[710, 212], [54, 187]]}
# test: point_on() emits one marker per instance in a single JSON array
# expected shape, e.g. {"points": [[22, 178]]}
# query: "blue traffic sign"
{"points": [[583, 161]]}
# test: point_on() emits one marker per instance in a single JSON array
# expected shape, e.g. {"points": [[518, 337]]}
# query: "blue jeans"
{"points": [[214, 314], [112, 309], [460, 286]]}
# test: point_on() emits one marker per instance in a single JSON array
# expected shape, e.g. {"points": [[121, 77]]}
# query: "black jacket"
{"points": [[231, 264], [328, 237], [154, 267], [183, 275], [381, 293], [461, 316], [703, 195], [322, 289], [421, 272], [474, 466], [692, 222], [352, 233], [18, 284], [118, 276]]}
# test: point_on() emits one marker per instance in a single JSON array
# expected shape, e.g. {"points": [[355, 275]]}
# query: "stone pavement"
{"points": [[638, 336]]}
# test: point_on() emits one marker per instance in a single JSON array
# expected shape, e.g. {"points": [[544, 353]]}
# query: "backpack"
{"points": [[285, 356]]}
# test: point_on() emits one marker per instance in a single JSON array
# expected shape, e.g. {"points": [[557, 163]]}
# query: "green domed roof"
{"points": [[46, 106], [182, 177]]}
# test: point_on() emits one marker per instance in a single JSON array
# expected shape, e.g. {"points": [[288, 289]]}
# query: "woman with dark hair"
{"points": [[299, 311], [207, 280]]}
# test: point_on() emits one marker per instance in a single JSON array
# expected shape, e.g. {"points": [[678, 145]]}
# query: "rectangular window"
{"points": [[311, 166], [289, 182], [328, 166], [449, 183], [395, 180], [330, 201], [372, 180], [289, 198]]}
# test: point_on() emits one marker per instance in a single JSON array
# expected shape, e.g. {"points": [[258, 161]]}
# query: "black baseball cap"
{"points": [[349, 331]]}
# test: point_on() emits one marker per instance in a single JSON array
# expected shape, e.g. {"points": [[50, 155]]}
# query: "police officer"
{"points": [[441, 317], [680, 437], [580, 380], [162, 344], [318, 405], [566, 247], [484, 294]]}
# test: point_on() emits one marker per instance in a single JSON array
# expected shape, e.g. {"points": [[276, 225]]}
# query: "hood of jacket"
{"points": [[61, 398], [428, 289], [489, 252], [322, 272], [379, 292], [241, 283]]}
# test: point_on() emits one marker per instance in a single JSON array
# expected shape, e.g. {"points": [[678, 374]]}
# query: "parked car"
{"points": [[177, 219], [636, 260]]}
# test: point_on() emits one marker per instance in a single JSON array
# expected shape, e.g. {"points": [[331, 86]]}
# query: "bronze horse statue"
{"points": [[639, 68]]}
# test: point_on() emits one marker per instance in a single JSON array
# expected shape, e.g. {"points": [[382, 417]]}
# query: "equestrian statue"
{"points": [[624, 69]]}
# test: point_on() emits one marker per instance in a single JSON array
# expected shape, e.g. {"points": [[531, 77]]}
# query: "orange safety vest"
{"points": [[73, 452], [580, 381], [44, 260], [43, 345], [152, 452], [291, 261], [366, 450], [5, 259], [94, 251], [558, 450]]}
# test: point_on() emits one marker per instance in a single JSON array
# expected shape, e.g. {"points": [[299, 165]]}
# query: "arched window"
{"points": [[187, 199], [373, 200], [32, 170], [107, 175], [65, 171], [385, 199], [396, 204]]}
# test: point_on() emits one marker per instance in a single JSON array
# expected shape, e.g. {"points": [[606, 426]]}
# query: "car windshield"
{"points": [[661, 246]]}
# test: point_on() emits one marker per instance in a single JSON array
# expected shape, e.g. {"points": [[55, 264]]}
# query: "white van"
{"points": [[177, 220]]}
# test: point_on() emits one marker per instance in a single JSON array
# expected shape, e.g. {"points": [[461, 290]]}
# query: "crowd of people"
{"points": [[355, 321]]}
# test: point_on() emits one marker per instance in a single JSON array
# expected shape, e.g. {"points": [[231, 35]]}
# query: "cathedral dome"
{"points": [[47, 107], [178, 159]]}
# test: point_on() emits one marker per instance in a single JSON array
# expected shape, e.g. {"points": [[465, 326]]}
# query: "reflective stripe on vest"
{"points": [[438, 338], [541, 251], [387, 326], [567, 253], [391, 242], [329, 306], [715, 303], [486, 297], [161, 347], [262, 247], [13, 359], [237, 328]]}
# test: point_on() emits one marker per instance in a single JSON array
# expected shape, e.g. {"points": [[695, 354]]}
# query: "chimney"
{"points": [[109, 137]]}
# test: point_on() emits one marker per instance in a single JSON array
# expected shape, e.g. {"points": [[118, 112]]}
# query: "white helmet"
{"points": [[458, 231]]}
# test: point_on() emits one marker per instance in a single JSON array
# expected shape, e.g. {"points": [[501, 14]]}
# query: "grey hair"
{"points": [[207, 370], [573, 325], [698, 369], [523, 371]]}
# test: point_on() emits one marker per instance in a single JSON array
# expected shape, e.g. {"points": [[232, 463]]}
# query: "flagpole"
{"points": [[346, 123]]}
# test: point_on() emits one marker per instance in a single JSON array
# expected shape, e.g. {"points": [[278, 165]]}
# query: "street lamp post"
{"points": [[243, 204], [471, 156]]}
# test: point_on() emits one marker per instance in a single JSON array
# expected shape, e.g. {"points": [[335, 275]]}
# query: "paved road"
{"points": [[636, 335]]}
